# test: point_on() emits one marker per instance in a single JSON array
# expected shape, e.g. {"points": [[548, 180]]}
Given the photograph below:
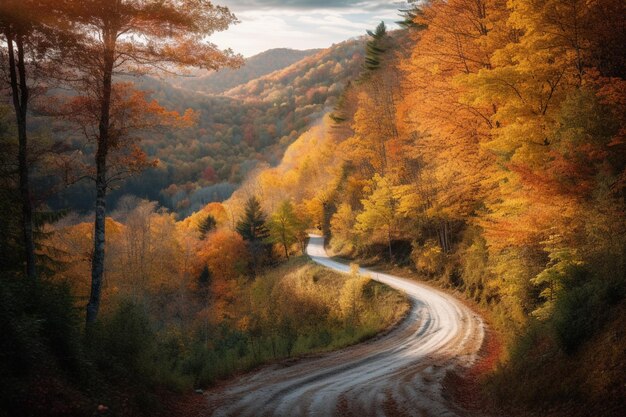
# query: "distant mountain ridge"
{"points": [[325, 72], [255, 67]]}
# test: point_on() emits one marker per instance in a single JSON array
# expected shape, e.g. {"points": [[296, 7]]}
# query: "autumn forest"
{"points": [[424, 219]]}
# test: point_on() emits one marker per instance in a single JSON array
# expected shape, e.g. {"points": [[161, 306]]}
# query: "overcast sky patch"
{"points": [[301, 24]]}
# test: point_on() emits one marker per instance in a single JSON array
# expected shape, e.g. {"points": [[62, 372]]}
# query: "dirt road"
{"points": [[400, 374]]}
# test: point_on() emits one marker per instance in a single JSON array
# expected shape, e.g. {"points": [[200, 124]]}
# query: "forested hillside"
{"points": [[254, 67], [248, 126]]}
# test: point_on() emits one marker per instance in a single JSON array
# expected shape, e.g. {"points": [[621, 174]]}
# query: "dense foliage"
{"points": [[484, 147]]}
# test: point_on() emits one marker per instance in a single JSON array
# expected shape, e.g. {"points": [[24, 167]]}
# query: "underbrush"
{"points": [[297, 309], [49, 366], [573, 363], [40, 350]]}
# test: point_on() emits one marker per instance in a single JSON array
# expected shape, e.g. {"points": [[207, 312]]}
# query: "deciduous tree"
{"points": [[379, 211], [135, 36], [285, 227]]}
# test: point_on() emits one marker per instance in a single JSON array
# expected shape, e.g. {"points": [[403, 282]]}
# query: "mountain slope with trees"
{"points": [[247, 127], [254, 67]]}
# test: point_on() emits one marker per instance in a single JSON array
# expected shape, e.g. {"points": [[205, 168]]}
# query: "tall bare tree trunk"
{"points": [[20, 93], [97, 264]]}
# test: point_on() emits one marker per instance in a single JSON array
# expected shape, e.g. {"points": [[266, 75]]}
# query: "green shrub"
{"points": [[60, 324], [40, 335], [36, 320], [583, 306], [199, 365], [20, 343], [124, 338]]}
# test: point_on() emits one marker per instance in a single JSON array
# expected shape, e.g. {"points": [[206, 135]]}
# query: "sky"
{"points": [[301, 24]]}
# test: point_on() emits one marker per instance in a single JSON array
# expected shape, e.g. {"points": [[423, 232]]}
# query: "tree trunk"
{"points": [[285, 244], [20, 93], [389, 244], [97, 265], [443, 234]]}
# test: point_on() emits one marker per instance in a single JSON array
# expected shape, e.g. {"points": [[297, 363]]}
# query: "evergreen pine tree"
{"points": [[409, 16], [206, 226], [374, 49], [252, 225], [253, 229], [204, 279]]}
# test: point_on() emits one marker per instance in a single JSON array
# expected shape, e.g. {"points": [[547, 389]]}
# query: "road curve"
{"points": [[400, 374]]}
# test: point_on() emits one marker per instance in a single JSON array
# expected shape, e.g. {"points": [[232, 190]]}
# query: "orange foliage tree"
{"points": [[134, 36], [225, 255]]}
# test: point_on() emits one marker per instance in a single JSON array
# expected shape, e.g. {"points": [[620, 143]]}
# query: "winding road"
{"points": [[399, 374]]}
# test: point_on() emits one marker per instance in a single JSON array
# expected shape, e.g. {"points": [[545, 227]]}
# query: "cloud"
{"points": [[307, 4], [300, 24]]}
